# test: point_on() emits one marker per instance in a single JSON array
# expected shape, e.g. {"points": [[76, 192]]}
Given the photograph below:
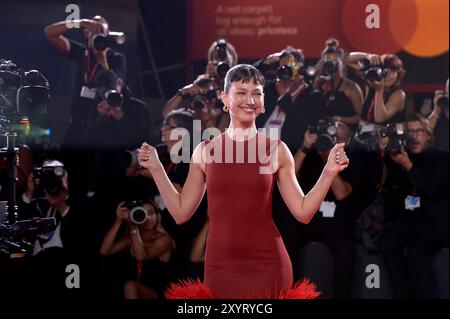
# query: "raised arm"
{"points": [[181, 205], [395, 103], [54, 32], [303, 207], [110, 245]]}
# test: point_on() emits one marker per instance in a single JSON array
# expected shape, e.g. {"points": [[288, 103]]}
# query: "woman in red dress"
{"points": [[245, 255]]}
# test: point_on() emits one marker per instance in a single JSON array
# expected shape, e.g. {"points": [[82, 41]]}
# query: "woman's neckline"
{"points": [[243, 136]]}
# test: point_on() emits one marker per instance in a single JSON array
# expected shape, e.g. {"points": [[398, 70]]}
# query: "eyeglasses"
{"points": [[418, 132]]}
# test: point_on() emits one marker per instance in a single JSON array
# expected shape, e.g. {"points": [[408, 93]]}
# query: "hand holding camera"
{"points": [[122, 213], [402, 159], [440, 101], [92, 25]]}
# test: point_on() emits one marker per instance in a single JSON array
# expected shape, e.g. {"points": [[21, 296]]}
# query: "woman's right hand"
{"points": [[148, 157], [121, 212]]}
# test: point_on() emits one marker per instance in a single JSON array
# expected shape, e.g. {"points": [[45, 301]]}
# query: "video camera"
{"points": [[138, 214], [397, 137], [23, 96], [327, 135]]}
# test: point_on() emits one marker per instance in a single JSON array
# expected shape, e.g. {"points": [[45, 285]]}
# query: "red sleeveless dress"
{"points": [[245, 255]]}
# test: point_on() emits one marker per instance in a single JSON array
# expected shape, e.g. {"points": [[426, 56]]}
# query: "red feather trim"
{"points": [[190, 289]]}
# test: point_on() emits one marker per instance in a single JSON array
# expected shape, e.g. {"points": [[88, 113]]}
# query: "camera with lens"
{"points": [[287, 72], [330, 67], [442, 102], [48, 179], [138, 214], [114, 98], [397, 137], [327, 135], [222, 66], [374, 73], [102, 41], [128, 158]]}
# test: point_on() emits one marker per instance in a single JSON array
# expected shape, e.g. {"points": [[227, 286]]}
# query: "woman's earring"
{"points": [[226, 108], [263, 110]]}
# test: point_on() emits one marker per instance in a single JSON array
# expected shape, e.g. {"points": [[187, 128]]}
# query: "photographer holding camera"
{"points": [[438, 119], [202, 97], [343, 97], [414, 176], [290, 103], [150, 248], [334, 225], [140, 182], [47, 196], [89, 58], [221, 57], [384, 100]]}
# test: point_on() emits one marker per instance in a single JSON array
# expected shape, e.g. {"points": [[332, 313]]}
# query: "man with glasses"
{"points": [[416, 197]]}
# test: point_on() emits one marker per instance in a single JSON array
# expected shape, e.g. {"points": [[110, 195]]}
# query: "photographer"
{"points": [[149, 245], [290, 103], [343, 97], [89, 58], [438, 119], [140, 183], [47, 196], [120, 122], [384, 100], [202, 97], [221, 57], [416, 200], [334, 223]]}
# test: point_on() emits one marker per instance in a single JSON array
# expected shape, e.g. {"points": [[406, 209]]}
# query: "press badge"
{"points": [[327, 209], [88, 93], [412, 202]]}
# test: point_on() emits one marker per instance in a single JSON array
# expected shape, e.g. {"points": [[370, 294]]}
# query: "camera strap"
{"points": [[89, 72]]}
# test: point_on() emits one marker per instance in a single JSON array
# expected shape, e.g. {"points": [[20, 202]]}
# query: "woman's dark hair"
{"points": [[393, 62], [298, 54], [332, 47], [182, 118], [244, 73]]}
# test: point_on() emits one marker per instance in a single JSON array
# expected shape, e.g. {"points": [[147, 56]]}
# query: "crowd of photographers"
{"points": [[393, 198]]}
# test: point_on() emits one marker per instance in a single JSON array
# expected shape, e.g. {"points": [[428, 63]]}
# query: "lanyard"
{"points": [[88, 72]]}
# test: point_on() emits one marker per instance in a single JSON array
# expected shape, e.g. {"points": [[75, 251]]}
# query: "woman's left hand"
{"points": [[337, 159]]}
